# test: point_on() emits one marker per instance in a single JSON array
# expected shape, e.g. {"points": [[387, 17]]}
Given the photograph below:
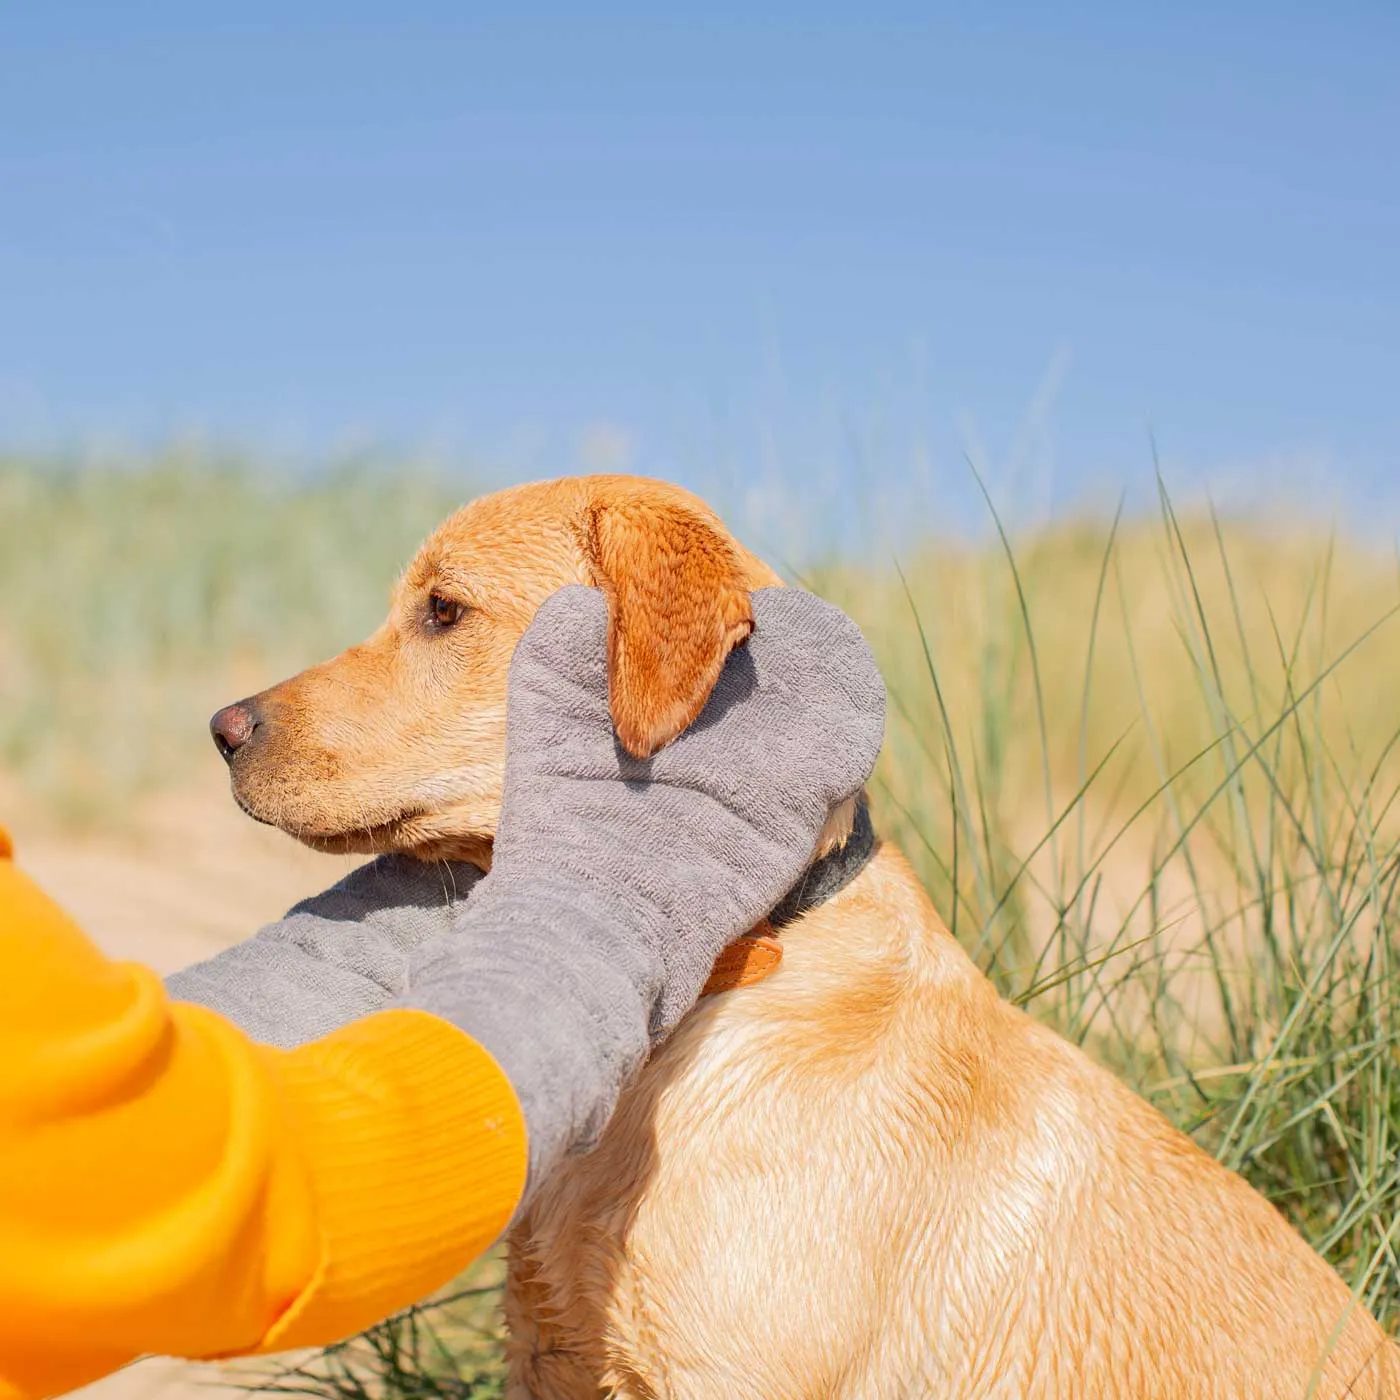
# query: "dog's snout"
{"points": [[232, 727]]}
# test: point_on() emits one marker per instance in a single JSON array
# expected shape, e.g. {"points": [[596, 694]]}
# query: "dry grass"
{"points": [[1148, 769], [140, 598]]}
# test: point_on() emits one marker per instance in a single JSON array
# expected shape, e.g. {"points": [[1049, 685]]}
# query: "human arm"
{"points": [[166, 1185]]}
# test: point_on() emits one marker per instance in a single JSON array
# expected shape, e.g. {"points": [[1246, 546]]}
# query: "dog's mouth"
{"points": [[426, 832], [391, 833]]}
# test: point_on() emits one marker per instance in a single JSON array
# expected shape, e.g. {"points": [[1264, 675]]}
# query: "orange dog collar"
{"points": [[758, 953], [745, 961]]}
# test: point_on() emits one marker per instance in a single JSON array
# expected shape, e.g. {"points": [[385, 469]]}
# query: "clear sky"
{"points": [[795, 239]]}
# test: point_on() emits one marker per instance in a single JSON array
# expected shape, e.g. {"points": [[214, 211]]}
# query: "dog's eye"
{"points": [[445, 611]]}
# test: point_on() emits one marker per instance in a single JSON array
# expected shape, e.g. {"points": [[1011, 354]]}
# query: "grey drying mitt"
{"points": [[337, 956]]}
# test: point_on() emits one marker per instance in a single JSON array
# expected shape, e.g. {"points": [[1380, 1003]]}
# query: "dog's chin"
{"points": [[449, 834], [422, 835]]}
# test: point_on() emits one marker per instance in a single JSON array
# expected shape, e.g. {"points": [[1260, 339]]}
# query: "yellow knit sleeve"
{"points": [[168, 1186]]}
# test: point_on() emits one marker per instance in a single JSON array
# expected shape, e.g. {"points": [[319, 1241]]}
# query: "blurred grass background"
{"points": [[1147, 768], [140, 596]]}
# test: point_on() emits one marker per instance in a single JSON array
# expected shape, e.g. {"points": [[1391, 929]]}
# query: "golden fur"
{"points": [[867, 1176]]}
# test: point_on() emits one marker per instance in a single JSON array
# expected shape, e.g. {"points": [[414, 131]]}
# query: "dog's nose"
{"points": [[232, 727]]}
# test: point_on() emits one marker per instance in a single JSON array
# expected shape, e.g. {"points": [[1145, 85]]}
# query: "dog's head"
{"points": [[399, 743]]}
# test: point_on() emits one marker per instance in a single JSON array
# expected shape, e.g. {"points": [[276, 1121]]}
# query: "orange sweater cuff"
{"points": [[400, 1094]]}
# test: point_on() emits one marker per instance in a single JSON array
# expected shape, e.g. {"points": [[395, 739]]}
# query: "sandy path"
{"points": [[186, 876]]}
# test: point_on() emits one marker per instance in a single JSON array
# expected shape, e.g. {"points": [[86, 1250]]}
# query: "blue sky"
{"points": [[807, 245]]}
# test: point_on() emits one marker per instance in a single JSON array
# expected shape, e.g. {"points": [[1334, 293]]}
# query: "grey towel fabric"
{"points": [[615, 881], [337, 956]]}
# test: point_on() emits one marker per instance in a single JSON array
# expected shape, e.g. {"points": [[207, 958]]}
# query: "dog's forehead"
{"points": [[520, 518], [528, 540], [510, 539]]}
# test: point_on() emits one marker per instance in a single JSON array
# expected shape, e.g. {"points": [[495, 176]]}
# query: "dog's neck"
{"points": [[760, 951], [845, 844], [832, 871], [844, 849]]}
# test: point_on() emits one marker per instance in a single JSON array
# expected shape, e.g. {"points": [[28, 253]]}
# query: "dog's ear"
{"points": [[678, 604]]}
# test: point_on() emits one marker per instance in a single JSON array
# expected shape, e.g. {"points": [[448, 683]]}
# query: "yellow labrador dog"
{"points": [[862, 1176]]}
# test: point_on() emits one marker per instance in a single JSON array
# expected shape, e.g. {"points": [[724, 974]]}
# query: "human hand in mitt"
{"points": [[616, 881]]}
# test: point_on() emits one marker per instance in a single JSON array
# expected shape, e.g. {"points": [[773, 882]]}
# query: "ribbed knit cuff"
{"points": [[415, 1150]]}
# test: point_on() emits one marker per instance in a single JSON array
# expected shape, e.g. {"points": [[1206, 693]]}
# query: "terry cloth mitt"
{"points": [[616, 881], [342, 954]]}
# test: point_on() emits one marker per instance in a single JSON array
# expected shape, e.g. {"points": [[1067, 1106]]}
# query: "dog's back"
{"points": [[871, 1177]]}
